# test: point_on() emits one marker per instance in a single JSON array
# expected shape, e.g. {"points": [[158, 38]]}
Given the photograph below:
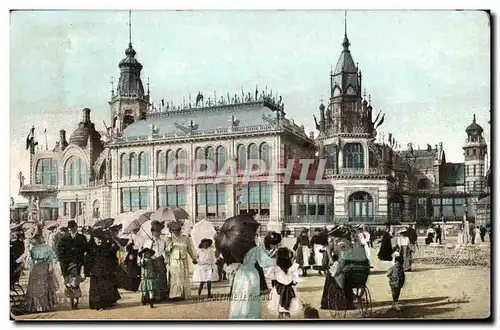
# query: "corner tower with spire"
{"points": [[475, 150], [346, 113], [129, 103]]}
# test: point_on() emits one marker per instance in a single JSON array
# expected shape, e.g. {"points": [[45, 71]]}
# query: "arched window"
{"points": [[170, 163], [181, 157], [360, 205], [96, 214], [242, 157], [253, 152], [423, 184], [210, 157], [200, 157], [354, 156], [101, 178], [397, 205], [265, 154], [134, 165], [331, 156], [221, 157], [46, 171], [74, 171], [125, 169], [143, 164], [161, 161]]}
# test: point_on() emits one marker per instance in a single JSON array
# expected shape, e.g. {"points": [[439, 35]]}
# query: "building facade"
{"points": [[170, 155]]}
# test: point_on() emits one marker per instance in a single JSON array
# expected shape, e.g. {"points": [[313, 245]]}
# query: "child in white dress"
{"points": [[204, 268], [284, 296]]}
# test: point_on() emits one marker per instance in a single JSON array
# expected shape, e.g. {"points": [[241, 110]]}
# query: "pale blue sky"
{"points": [[429, 71]]}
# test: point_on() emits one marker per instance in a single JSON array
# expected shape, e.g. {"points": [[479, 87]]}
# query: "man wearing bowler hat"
{"points": [[72, 249]]}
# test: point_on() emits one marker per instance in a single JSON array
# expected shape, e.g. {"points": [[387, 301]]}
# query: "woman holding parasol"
{"points": [[178, 247], [236, 242]]}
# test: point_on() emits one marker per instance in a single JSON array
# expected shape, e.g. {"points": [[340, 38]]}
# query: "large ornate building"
{"points": [[142, 162]]}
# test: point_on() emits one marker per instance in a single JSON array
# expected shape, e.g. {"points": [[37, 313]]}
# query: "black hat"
{"points": [[99, 233], [145, 251], [205, 240], [175, 225], [272, 238], [157, 226], [72, 224]]}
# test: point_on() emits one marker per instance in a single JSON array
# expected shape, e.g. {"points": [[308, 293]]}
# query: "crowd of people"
{"points": [[160, 268], [93, 254]]}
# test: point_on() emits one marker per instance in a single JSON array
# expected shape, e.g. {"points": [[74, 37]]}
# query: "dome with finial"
{"points": [[474, 128], [321, 106], [86, 129]]}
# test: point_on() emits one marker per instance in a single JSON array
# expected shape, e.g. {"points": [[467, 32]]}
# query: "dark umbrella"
{"points": [[104, 223], [135, 225], [236, 237]]}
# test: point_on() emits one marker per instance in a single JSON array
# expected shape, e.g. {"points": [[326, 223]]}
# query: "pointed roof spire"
{"points": [[345, 43], [130, 28]]}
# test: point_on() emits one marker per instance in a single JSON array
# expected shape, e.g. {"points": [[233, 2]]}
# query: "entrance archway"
{"points": [[360, 205]]}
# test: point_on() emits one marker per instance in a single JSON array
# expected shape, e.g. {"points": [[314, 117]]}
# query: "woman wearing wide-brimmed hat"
{"points": [[178, 247], [42, 283], [101, 266]]}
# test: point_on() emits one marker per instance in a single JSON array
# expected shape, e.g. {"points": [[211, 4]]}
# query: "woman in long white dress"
{"points": [[477, 236]]}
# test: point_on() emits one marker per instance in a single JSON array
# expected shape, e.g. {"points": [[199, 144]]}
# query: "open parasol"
{"points": [[202, 229], [104, 223], [167, 214], [236, 237], [136, 224]]}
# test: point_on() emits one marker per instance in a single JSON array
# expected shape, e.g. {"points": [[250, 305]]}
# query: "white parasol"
{"points": [[202, 229]]}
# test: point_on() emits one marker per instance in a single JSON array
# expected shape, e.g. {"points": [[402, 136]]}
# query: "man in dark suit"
{"points": [[72, 248]]}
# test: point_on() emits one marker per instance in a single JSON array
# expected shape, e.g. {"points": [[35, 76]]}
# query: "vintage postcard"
{"points": [[274, 165]]}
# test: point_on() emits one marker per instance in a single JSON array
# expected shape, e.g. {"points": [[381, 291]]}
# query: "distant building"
{"points": [[102, 174]]}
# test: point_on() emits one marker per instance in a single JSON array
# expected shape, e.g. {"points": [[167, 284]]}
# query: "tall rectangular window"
{"points": [[135, 198], [211, 194], [72, 210], [171, 196], [221, 194], [254, 194], [265, 194]]}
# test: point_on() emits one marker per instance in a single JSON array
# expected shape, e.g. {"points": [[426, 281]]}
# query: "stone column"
{"points": [[277, 207], [230, 200]]}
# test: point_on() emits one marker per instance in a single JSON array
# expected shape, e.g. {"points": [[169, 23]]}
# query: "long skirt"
{"points": [[179, 279], [303, 254], [161, 280], [319, 255], [407, 257], [103, 292], [41, 295], [245, 295], [385, 252], [477, 239]]}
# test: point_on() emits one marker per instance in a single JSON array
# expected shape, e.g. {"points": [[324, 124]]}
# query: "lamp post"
{"points": [[443, 230], [466, 225]]}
